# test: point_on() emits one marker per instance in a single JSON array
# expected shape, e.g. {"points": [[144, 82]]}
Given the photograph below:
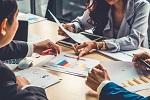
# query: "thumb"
{"points": [[100, 67], [148, 61]]}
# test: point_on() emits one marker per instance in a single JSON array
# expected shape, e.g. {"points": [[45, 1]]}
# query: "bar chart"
{"points": [[69, 64], [136, 81]]}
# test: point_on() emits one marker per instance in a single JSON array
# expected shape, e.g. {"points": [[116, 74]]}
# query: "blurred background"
{"points": [[64, 10]]}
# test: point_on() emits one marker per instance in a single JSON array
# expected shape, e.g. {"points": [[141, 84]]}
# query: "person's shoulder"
{"points": [[141, 2]]}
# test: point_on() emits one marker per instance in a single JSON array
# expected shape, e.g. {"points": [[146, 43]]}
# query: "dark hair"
{"points": [[98, 15], [7, 10]]}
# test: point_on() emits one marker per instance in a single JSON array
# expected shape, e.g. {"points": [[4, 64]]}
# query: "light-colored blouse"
{"points": [[133, 30]]}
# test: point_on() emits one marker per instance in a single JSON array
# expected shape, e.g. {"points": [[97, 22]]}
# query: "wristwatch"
{"points": [[103, 48]]}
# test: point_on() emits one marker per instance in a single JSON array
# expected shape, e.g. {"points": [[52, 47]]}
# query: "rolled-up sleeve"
{"points": [[137, 33]]}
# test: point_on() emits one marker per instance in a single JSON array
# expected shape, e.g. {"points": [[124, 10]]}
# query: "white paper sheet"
{"points": [[76, 37], [122, 72], [33, 38], [68, 63], [30, 18], [38, 77], [123, 55]]}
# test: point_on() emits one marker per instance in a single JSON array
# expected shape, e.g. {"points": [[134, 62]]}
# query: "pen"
{"points": [[48, 50], [143, 62]]}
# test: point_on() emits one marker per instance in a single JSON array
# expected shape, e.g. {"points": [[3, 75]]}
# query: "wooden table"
{"points": [[71, 87]]}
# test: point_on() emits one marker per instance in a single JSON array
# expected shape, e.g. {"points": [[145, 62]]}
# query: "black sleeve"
{"points": [[39, 92], [9, 90], [14, 50]]}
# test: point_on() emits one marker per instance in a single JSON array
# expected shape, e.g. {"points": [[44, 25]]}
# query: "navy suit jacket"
{"points": [[14, 50], [9, 90], [112, 91]]}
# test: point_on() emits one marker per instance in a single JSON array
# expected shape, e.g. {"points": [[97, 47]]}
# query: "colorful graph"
{"points": [[68, 63], [74, 64], [136, 81]]}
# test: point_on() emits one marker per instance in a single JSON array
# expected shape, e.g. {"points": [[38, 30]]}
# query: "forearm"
{"points": [[81, 23], [39, 92], [16, 49], [124, 43]]}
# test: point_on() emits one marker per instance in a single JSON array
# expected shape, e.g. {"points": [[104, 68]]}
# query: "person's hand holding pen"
{"points": [[141, 59], [46, 48]]}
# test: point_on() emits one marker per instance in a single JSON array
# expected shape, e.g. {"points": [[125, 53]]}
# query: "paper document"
{"points": [[126, 75], [31, 18], [122, 55], [12, 66], [76, 37], [38, 77], [33, 38], [68, 63]]}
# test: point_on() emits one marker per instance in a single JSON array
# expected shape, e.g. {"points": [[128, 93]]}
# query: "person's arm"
{"points": [[21, 49], [99, 80], [137, 33], [15, 49], [9, 90], [111, 91], [81, 23]]}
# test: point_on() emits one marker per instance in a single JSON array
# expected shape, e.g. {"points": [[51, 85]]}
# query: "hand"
{"points": [[96, 76], [44, 45], [66, 26], [83, 48], [21, 81], [144, 55]]}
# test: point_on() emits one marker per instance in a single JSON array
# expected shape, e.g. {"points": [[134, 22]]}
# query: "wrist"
{"points": [[73, 27], [95, 45], [102, 46], [99, 45], [35, 48]]}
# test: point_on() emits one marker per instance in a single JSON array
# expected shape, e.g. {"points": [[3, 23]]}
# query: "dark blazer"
{"points": [[14, 50], [9, 90], [112, 91]]}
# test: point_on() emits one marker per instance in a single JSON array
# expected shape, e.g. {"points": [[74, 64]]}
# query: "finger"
{"points": [[147, 61], [138, 64], [92, 83], [49, 53], [62, 33], [90, 74], [100, 67], [57, 48], [135, 58], [97, 74], [81, 54], [75, 50], [81, 45]]}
